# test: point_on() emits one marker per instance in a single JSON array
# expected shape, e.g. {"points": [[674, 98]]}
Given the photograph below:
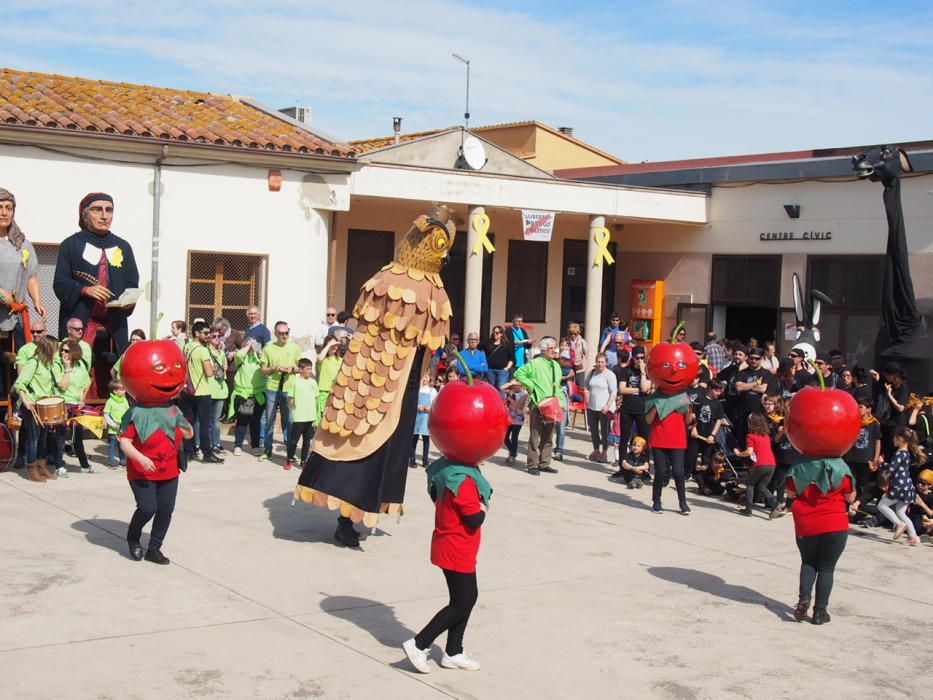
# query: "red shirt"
{"points": [[764, 455], [453, 544], [816, 512], [671, 432], [162, 451]]}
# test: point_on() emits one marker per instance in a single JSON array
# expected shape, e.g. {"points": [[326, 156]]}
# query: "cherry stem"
{"points": [[819, 375], [466, 367], [676, 330], [154, 330]]}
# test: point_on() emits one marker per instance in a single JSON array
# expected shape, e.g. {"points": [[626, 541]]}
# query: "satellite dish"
{"points": [[473, 153]]}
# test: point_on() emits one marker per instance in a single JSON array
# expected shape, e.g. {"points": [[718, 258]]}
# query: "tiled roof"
{"points": [[367, 145], [163, 114]]}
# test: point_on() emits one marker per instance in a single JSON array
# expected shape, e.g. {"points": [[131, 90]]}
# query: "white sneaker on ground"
{"points": [[237, 451], [90, 469], [61, 471], [418, 657], [462, 661]]}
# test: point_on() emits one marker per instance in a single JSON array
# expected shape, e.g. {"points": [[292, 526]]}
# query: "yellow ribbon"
{"points": [[601, 236], [481, 226], [25, 257], [117, 258]]}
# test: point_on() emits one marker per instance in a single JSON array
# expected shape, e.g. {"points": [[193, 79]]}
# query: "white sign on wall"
{"points": [[538, 225]]}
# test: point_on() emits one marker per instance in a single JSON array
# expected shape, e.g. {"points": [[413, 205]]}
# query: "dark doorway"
{"points": [[746, 296], [454, 276], [573, 297], [367, 253], [744, 322]]}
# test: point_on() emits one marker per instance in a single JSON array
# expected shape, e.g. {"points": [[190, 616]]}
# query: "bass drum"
{"points": [[7, 447]]}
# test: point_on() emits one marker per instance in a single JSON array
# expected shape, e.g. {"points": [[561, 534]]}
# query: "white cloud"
{"points": [[676, 79]]}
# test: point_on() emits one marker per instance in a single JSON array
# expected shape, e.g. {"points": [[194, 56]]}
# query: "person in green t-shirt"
{"points": [[73, 381], [248, 385], [279, 364], [116, 407], [197, 403], [303, 402], [218, 385], [35, 381]]}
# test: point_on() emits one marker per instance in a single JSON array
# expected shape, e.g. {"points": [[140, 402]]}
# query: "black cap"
{"points": [[824, 357], [755, 352], [697, 346], [836, 353], [785, 365], [797, 352]]}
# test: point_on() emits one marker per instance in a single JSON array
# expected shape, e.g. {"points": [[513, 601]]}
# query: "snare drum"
{"points": [[51, 410]]}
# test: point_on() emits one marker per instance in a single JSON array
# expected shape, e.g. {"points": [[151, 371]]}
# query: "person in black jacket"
{"points": [[94, 267]]}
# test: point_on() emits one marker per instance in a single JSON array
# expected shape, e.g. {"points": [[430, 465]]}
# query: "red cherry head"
{"points": [[822, 422], [153, 371], [468, 423], [672, 366]]}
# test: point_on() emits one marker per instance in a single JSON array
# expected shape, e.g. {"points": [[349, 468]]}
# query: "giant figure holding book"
{"points": [[95, 267]]}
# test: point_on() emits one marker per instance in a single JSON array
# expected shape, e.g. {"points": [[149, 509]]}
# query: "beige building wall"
{"points": [[555, 152]]}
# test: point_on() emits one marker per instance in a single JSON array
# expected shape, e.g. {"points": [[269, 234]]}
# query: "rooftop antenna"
{"points": [[466, 113]]}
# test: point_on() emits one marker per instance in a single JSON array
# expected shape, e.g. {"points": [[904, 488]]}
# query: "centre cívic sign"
{"points": [[795, 236]]}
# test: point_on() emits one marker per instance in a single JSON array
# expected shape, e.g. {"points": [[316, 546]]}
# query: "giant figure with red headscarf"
{"points": [[94, 267]]}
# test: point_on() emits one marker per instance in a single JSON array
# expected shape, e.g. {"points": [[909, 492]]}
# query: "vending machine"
{"points": [[647, 311]]}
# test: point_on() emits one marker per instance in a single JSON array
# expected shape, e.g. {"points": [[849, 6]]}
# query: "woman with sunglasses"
{"points": [[218, 383], [73, 381], [500, 357]]}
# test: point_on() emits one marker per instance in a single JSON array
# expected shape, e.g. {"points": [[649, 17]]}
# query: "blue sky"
{"points": [[645, 81]]}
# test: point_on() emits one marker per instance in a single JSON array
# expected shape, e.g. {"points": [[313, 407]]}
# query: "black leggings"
{"points": [[599, 429], [425, 446], [758, 479], [668, 460], [153, 499], [818, 557], [511, 439], [304, 431], [454, 617], [640, 423]]}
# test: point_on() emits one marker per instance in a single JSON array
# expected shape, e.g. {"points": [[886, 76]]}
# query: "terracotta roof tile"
{"points": [[80, 104]]}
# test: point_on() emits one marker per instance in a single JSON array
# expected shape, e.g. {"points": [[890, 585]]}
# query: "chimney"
{"points": [[299, 114], [566, 130], [397, 128]]}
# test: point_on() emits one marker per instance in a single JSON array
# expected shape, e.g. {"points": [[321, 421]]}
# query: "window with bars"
{"points": [[225, 284]]}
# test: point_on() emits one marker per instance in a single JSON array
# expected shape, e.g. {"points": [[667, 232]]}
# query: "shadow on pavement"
{"points": [[106, 533], [605, 494], [714, 585], [304, 522], [373, 617]]}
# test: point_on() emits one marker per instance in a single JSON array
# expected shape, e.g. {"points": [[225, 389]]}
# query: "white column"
{"points": [[473, 294], [594, 290]]}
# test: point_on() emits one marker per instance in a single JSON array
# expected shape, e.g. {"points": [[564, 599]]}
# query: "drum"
{"points": [[7, 448], [51, 410]]}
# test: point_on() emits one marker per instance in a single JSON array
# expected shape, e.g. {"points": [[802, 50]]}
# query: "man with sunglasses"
{"points": [[323, 330], [198, 404], [94, 267], [75, 328], [279, 365]]}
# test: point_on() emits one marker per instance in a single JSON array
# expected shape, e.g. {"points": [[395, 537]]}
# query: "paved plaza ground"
{"points": [[583, 593]]}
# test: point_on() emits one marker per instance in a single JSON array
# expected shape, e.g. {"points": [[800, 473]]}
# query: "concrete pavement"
{"points": [[583, 592]]}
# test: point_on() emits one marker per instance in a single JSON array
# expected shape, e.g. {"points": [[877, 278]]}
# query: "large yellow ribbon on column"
{"points": [[481, 226], [601, 236]]}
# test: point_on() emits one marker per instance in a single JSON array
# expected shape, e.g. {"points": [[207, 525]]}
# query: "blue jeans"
{"points": [[498, 377], [114, 454], [562, 427], [274, 402], [217, 408]]}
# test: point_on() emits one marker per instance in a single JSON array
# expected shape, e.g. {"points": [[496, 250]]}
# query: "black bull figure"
{"points": [[905, 337]]}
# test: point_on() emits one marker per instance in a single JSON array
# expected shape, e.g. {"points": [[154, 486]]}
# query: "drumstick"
{"points": [[90, 278]]}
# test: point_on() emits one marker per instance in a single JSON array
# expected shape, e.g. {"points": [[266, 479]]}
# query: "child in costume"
{"points": [[461, 496], [151, 437]]}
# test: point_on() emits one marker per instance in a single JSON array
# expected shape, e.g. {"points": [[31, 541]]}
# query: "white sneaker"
{"points": [[62, 472], [461, 661], [237, 451], [90, 469], [418, 657]]}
